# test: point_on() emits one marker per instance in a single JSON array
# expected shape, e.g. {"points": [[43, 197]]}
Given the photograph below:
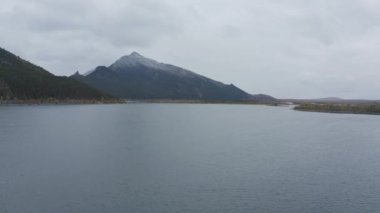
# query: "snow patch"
{"points": [[135, 59]]}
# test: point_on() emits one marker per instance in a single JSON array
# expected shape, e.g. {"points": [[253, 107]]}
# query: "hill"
{"points": [[137, 77], [362, 108], [21, 80]]}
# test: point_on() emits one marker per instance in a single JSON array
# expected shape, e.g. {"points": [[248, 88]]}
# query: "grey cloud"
{"points": [[121, 22], [42, 30], [288, 48]]}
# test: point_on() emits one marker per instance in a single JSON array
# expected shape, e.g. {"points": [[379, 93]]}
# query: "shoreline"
{"points": [[60, 102], [133, 101], [359, 109], [182, 101], [330, 112]]}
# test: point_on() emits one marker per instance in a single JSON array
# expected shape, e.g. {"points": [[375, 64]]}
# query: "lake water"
{"points": [[186, 158]]}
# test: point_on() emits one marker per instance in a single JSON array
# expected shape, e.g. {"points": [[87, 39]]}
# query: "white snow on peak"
{"points": [[136, 54], [135, 59]]}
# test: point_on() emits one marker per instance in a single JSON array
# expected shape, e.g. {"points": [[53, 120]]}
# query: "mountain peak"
{"points": [[135, 54], [135, 76], [135, 59], [76, 74]]}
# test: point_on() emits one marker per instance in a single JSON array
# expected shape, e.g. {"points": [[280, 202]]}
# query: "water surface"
{"points": [[186, 158]]}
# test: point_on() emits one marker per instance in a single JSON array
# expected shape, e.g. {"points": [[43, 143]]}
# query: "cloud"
{"points": [[67, 30], [288, 48]]}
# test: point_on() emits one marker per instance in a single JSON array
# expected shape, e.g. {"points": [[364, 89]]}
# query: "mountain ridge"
{"points": [[22, 81], [134, 76]]}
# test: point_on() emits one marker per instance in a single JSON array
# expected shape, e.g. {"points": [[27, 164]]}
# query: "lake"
{"points": [[186, 158]]}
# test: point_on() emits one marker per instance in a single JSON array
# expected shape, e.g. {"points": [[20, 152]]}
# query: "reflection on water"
{"points": [[186, 158]]}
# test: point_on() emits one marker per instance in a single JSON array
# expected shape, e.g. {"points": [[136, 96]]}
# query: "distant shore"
{"points": [[184, 101], [131, 101], [368, 109], [52, 101]]}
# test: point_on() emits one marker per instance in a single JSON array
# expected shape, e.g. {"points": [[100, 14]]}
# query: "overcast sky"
{"points": [[285, 48]]}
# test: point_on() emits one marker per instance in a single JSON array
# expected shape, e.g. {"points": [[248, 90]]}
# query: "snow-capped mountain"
{"points": [[135, 60], [137, 77]]}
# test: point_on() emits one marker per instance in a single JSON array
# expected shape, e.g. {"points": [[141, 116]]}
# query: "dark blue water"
{"points": [[186, 158]]}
